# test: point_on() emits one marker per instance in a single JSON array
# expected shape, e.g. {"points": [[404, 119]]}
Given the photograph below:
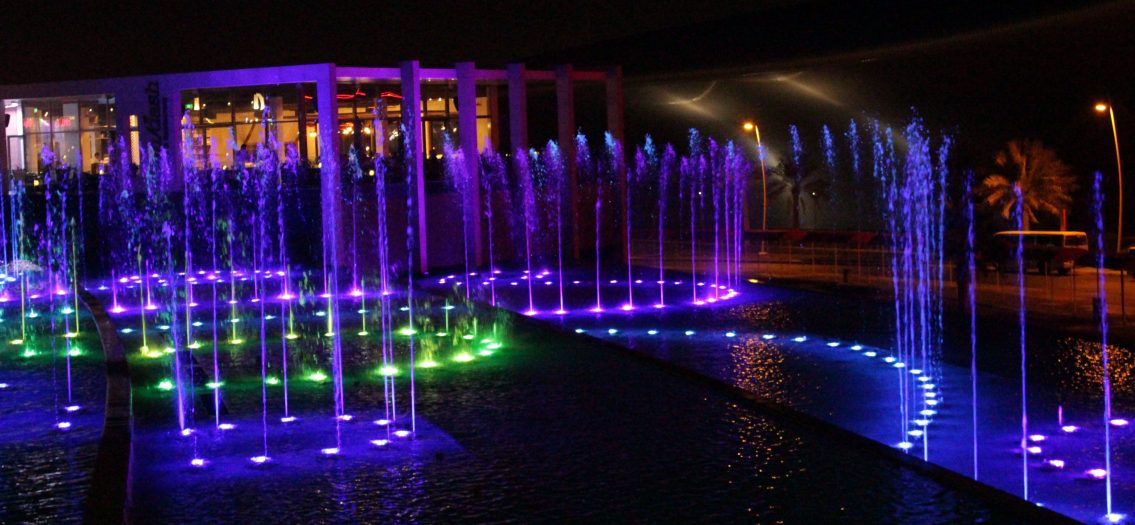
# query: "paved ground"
{"points": [[1067, 299]]}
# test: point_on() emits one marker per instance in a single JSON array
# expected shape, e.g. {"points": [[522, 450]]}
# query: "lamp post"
{"points": [[1100, 108], [750, 126]]}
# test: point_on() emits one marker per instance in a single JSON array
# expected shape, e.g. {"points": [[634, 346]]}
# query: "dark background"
{"points": [[985, 71]]}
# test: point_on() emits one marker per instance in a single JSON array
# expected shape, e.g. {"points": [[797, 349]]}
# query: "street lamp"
{"points": [[750, 126], [1100, 108]]}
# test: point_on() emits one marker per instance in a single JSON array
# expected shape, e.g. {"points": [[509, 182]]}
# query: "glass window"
{"points": [[73, 128]]}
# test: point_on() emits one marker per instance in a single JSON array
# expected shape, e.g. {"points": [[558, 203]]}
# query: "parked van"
{"points": [[1045, 251]]}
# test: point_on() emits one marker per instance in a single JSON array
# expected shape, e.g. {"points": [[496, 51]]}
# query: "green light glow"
{"points": [[75, 352], [407, 331], [317, 376], [28, 352], [67, 310], [169, 350], [17, 341], [292, 336], [463, 357], [272, 380], [328, 334], [236, 341], [165, 384], [486, 341], [364, 333], [71, 335], [467, 337], [442, 334], [388, 371], [486, 352], [428, 363], [194, 345], [494, 346], [213, 385], [146, 352]]}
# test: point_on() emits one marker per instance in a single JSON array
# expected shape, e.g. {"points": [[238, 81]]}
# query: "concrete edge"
{"points": [[109, 496]]}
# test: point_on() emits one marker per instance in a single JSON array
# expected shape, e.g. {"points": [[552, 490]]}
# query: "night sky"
{"points": [[985, 71]]}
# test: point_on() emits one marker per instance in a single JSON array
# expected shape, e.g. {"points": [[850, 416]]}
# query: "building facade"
{"points": [[228, 114]]}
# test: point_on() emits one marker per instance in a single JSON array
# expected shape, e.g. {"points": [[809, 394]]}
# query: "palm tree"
{"points": [[799, 184], [1045, 181]]}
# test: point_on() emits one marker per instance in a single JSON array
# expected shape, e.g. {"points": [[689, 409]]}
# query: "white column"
{"points": [[467, 129], [565, 125], [327, 105], [412, 119], [517, 108]]}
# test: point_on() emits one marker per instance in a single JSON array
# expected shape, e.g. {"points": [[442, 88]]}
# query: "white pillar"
{"points": [[412, 119], [565, 124], [467, 129], [517, 108], [327, 105]]}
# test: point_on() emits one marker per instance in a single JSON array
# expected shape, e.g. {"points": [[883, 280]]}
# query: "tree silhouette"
{"points": [[800, 185], [1046, 182]]}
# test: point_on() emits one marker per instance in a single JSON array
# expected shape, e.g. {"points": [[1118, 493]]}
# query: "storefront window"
{"points": [[228, 124], [72, 128]]}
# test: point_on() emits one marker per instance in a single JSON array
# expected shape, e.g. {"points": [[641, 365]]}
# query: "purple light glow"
{"points": [[63, 425], [288, 419], [380, 442], [330, 451], [259, 460], [402, 433], [197, 462]]}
